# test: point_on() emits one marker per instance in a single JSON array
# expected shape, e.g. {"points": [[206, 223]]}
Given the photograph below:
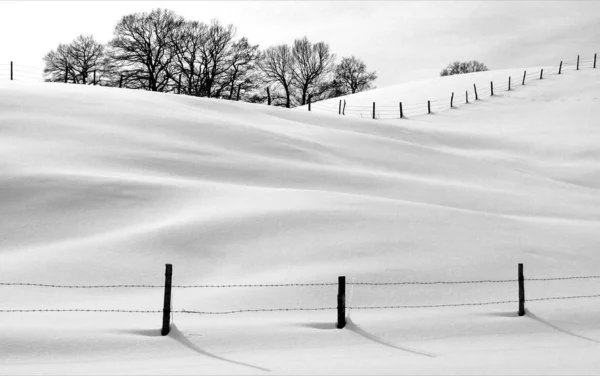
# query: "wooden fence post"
{"points": [[373, 110], [492, 87], [340, 108], [560, 67], [66, 73], [179, 84], [121, 80], [595, 60], [268, 96], [344, 108], [508, 83], [401, 112], [341, 303], [11, 70], [577, 62], [94, 77], [466, 96], [452, 100], [475, 89], [166, 324], [524, 74], [428, 107], [309, 99], [541, 73], [521, 291]]}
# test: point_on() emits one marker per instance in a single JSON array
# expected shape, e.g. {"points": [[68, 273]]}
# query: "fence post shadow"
{"points": [[178, 336], [535, 317], [351, 326]]}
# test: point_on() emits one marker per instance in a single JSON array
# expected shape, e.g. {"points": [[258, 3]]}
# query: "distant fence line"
{"points": [[341, 306], [455, 99]]}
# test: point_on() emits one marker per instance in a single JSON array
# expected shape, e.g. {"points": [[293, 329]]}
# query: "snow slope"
{"points": [[105, 186]]}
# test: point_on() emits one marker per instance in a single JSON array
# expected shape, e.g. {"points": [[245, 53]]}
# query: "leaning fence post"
{"points": [[560, 67], [466, 96], [344, 108], [121, 80], [11, 70], [521, 291], [401, 112], [508, 83], [541, 73], [166, 325], [452, 100], [577, 62], [524, 74], [428, 107], [373, 110], [475, 89], [595, 60], [492, 87], [340, 108], [341, 302]]}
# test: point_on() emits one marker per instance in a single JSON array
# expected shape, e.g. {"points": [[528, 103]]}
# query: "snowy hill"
{"points": [[104, 186]]}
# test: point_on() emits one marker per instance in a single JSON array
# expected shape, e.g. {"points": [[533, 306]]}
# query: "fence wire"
{"points": [[435, 305], [79, 310], [299, 309], [388, 111], [27, 284], [255, 310]]}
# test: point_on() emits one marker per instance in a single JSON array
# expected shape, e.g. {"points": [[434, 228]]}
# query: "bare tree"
{"points": [[57, 64], [143, 46], [459, 67], [352, 75], [188, 42], [215, 56], [277, 65], [77, 60], [86, 56], [312, 63], [242, 64]]}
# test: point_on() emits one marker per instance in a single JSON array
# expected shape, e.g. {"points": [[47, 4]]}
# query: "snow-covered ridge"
{"points": [[438, 91], [105, 186]]}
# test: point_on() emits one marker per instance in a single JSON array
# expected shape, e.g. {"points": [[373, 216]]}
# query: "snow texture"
{"points": [[104, 186]]}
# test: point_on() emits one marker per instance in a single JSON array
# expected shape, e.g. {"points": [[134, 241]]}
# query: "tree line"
{"points": [[161, 51]]}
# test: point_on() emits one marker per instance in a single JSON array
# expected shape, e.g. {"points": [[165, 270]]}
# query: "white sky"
{"points": [[402, 40]]}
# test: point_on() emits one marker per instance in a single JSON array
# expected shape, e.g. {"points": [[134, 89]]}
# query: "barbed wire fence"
{"points": [[401, 109], [341, 306], [20, 72]]}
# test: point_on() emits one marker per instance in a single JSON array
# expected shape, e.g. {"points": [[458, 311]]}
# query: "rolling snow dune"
{"points": [[104, 186]]}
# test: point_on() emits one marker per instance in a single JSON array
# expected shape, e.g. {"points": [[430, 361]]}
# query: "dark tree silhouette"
{"points": [[352, 75], [459, 67], [78, 59], [87, 56], [143, 47], [242, 66], [215, 56], [57, 63], [312, 64], [188, 42], [277, 65]]}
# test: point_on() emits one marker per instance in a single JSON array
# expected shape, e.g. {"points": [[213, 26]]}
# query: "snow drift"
{"points": [[105, 186]]}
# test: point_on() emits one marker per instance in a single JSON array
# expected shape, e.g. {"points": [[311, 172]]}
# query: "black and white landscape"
{"points": [[424, 191]]}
